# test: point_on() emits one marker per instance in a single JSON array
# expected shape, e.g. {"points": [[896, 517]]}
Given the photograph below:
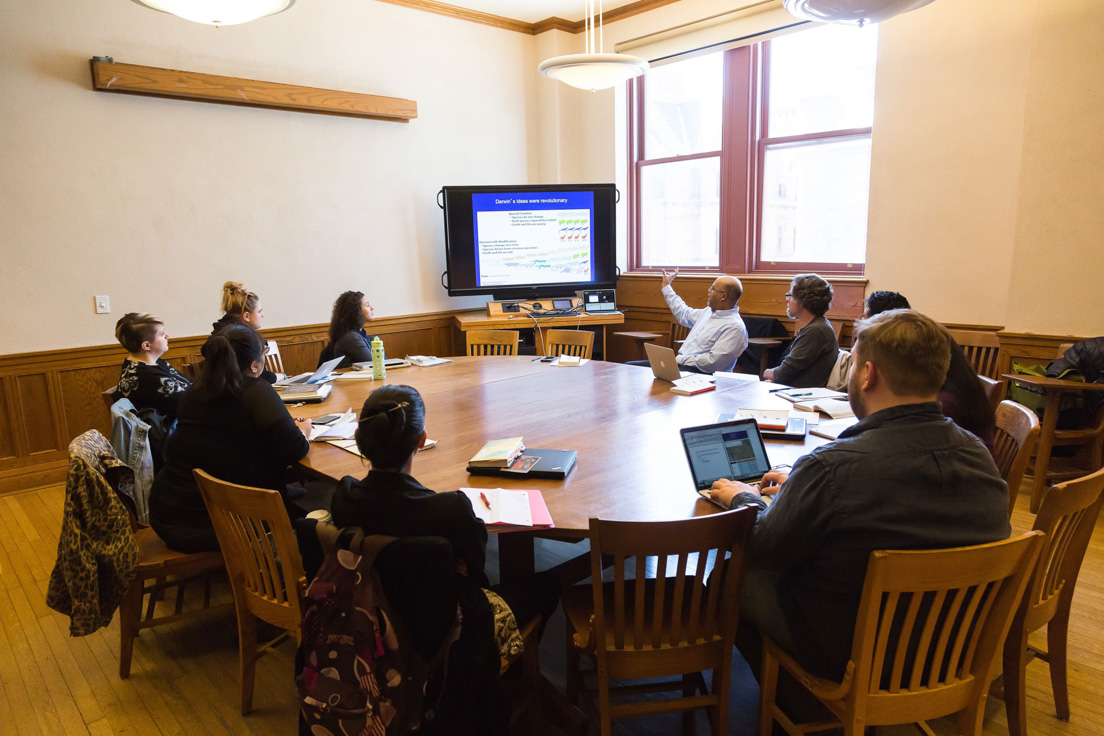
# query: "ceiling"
{"points": [[531, 11]]}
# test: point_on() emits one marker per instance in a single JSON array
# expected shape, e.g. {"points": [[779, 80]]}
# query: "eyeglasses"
{"points": [[789, 294]]}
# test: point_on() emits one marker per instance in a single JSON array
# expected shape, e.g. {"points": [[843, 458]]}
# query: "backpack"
{"points": [[360, 675]]}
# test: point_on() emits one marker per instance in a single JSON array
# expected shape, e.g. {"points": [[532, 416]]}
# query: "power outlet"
{"points": [[511, 307], [103, 304]]}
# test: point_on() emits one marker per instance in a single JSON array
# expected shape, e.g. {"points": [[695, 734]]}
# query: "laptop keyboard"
{"points": [[301, 378]]}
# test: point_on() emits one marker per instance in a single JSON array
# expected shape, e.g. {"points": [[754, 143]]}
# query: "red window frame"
{"points": [[744, 142]]}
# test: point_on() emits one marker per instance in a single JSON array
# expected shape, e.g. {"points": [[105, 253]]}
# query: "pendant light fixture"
{"points": [[219, 12], [593, 70], [850, 12]]}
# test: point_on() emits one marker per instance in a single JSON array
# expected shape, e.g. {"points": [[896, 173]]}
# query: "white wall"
{"points": [[157, 202]]}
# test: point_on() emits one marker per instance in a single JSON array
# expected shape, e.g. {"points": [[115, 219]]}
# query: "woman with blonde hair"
{"points": [[146, 378], [240, 306]]}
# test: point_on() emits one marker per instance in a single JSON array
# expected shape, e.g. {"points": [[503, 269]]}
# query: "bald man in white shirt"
{"points": [[717, 336]]}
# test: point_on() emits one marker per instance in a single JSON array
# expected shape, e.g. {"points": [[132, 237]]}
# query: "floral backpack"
{"points": [[360, 676]]}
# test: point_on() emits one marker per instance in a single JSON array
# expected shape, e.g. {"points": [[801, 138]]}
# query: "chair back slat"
{"points": [[262, 557], [679, 333], [576, 343], [679, 608], [492, 342], [961, 600], [982, 350], [1017, 431], [1068, 515], [273, 361]]}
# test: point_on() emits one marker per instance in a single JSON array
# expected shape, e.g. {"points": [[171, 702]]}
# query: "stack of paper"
{"points": [[693, 384], [426, 360], [834, 408], [498, 506], [343, 428]]}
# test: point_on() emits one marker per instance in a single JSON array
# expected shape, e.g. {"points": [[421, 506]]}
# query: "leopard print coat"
{"points": [[97, 555]]}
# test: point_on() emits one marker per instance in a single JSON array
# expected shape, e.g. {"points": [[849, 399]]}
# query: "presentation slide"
{"points": [[533, 238]]}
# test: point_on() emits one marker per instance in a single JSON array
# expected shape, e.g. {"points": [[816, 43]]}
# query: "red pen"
{"points": [[486, 503]]}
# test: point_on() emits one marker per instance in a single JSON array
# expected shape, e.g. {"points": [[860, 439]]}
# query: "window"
{"points": [[755, 159]]}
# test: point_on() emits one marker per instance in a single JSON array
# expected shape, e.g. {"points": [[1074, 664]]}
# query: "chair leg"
{"points": [[1015, 671], [605, 723], [130, 613], [689, 687], [247, 658], [572, 666], [768, 684], [1057, 633], [722, 677]]}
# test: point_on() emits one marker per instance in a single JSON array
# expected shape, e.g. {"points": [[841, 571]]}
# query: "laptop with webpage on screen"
{"points": [[732, 450], [321, 374]]}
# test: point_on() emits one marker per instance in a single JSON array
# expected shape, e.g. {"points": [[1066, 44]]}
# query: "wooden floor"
{"points": [[184, 676]]}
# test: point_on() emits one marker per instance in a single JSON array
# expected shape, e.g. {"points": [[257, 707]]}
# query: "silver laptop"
{"points": [[663, 363], [732, 450], [321, 374]]}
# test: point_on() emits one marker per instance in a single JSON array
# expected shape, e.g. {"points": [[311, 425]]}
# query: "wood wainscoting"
{"points": [[48, 398]]}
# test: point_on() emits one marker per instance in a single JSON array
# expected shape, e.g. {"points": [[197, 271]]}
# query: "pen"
{"points": [[483, 497], [807, 393]]}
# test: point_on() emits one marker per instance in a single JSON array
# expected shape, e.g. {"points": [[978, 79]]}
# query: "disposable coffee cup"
{"points": [[322, 516]]}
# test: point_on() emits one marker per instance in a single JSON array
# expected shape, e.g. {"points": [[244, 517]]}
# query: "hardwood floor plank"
{"points": [[38, 693], [19, 713], [57, 639]]}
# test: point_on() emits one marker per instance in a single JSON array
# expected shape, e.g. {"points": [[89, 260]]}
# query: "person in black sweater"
{"points": [[231, 424], [242, 307], [348, 339], [809, 359], [389, 501], [146, 378]]}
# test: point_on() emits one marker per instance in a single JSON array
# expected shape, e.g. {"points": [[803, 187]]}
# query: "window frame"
{"points": [[744, 142]]}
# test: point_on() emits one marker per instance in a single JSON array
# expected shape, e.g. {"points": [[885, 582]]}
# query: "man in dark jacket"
{"points": [[904, 477]]}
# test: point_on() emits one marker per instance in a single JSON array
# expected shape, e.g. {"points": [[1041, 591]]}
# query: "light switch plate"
{"points": [[103, 304]]}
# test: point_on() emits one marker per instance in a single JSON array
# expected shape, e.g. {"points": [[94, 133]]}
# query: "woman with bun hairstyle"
{"points": [[390, 501], [146, 378], [239, 306], [242, 307], [347, 336], [231, 424]]}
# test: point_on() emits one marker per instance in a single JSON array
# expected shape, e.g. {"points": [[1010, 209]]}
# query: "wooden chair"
{"points": [[577, 343], [109, 398], [666, 624], [1068, 515], [991, 386], [679, 334], [263, 562], [837, 327], [1016, 433], [928, 636], [982, 350], [273, 362], [492, 342], [194, 368]]}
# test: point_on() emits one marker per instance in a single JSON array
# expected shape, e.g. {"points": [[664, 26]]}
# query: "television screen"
{"points": [[529, 241]]}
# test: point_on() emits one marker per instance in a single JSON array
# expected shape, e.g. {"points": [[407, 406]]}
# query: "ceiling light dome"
{"points": [[851, 12], [219, 12], [593, 70]]}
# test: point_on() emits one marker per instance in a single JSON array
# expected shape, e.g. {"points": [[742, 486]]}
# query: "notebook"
{"points": [[508, 510], [555, 464], [306, 393], [732, 450]]}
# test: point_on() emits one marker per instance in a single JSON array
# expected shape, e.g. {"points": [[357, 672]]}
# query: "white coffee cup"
{"points": [[322, 516]]}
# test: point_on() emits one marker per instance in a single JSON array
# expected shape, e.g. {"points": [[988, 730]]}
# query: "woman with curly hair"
{"points": [[348, 339], [809, 358]]}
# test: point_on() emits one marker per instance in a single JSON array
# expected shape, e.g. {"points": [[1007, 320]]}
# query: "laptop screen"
{"points": [[732, 450]]}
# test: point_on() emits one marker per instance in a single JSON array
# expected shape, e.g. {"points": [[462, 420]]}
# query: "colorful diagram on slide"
{"points": [[534, 241]]}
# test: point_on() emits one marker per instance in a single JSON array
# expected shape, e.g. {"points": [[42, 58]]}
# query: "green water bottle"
{"points": [[379, 370]]}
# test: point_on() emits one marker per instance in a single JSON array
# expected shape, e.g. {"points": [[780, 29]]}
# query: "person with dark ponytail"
{"points": [[231, 424], [347, 336], [390, 501], [964, 401]]}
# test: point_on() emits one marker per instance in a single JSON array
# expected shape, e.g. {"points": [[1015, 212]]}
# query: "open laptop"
{"points": [[663, 363], [321, 374], [732, 450]]}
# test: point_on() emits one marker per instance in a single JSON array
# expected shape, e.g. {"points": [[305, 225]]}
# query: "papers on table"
{"points": [[570, 360], [834, 408], [347, 445], [807, 395], [343, 428], [722, 376], [425, 361], [830, 430], [508, 507]]}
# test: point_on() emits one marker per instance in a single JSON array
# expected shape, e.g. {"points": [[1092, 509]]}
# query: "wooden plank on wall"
{"points": [[81, 390], [36, 408], [8, 421], [152, 81]]}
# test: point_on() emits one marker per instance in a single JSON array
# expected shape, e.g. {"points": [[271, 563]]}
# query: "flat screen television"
{"points": [[528, 242]]}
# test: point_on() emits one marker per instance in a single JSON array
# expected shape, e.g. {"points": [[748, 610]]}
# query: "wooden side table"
{"points": [[763, 343], [1055, 388], [640, 338]]}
